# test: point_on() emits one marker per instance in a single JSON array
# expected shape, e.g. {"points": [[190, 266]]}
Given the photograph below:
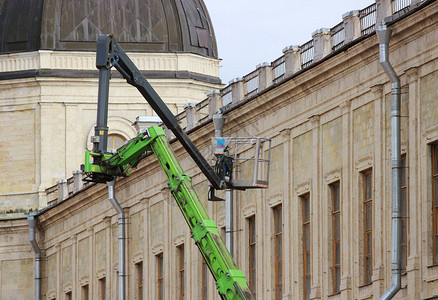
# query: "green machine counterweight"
{"points": [[229, 279]]}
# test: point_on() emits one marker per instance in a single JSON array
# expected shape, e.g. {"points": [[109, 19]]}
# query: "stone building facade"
{"points": [[322, 229]]}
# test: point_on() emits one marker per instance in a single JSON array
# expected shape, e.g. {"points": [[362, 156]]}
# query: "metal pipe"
{"points": [[383, 35], [32, 238], [219, 121], [122, 239]]}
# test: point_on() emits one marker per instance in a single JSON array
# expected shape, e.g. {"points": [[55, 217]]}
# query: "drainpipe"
{"points": [[383, 35], [32, 238], [218, 121], [122, 239]]}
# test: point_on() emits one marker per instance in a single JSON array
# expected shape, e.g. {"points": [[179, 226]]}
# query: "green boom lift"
{"points": [[102, 166]]}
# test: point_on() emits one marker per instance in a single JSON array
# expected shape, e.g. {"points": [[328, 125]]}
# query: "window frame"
{"points": [[434, 203], [160, 275], [405, 213], [336, 236], [306, 223], [111, 140], [278, 236], [252, 248], [181, 271], [102, 288], [367, 256], [85, 292], [140, 279]]}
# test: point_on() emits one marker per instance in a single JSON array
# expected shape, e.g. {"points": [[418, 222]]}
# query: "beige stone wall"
{"points": [[16, 261], [328, 123]]}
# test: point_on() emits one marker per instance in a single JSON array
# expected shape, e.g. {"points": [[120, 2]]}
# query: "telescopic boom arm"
{"points": [[109, 54]]}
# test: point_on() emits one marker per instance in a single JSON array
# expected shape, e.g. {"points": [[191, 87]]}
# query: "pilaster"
{"points": [[379, 213], [352, 28], [322, 43], [384, 9], [414, 192], [265, 76], [192, 115], [214, 102], [347, 211], [315, 204], [237, 90], [287, 215], [292, 57]]}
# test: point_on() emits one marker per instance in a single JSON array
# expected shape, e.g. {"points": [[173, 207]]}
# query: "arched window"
{"points": [[115, 141]]}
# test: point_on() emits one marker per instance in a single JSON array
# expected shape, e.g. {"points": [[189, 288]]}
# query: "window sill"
{"points": [[334, 294], [365, 285]]}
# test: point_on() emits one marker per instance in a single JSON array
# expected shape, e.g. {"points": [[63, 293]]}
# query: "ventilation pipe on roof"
{"points": [[122, 239], [32, 238], [383, 35]]}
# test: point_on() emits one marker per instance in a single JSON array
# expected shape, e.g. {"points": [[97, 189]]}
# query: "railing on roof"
{"points": [[307, 52], [202, 108], [398, 5], [338, 36], [251, 83], [227, 95], [182, 119], [368, 17], [279, 69]]}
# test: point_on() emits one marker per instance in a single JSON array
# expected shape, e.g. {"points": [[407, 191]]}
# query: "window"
{"points": [[139, 269], [115, 141], [160, 276], [102, 288], [252, 254], [84, 292], [278, 232], [68, 296], [367, 224], [181, 271], [336, 236], [435, 201], [404, 214], [204, 280], [305, 203]]}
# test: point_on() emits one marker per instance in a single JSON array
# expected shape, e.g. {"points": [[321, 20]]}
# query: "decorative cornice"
{"points": [[70, 60]]}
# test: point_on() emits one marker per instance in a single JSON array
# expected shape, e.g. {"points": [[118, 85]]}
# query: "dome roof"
{"points": [[138, 25]]}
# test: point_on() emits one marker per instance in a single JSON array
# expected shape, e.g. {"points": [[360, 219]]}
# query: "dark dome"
{"points": [[139, 25]]}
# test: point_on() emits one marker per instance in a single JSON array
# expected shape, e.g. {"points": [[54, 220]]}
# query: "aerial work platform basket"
{"points": [[243, 162]]}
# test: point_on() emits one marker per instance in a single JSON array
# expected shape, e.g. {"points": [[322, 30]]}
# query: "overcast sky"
{"points": [[249, 32]]}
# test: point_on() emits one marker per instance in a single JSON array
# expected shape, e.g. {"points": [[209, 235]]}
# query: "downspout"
{"points": [[32, 238], [383, 35], [218, 121], [122, 239]]}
